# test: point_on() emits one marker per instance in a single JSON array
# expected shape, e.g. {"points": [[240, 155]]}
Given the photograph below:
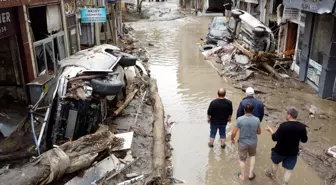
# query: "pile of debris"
{"points": [[240, 64], [130, 144]]}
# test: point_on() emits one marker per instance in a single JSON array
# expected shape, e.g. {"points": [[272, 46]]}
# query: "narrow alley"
{"points": [[187, 83]]}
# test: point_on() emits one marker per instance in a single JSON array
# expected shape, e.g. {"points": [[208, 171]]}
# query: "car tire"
{"points": [[111, 86], [206, 47], [236, 13], [259, 31]]}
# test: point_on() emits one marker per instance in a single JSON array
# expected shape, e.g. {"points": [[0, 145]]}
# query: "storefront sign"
{"points": [[315, 6], [6, 22], [90, 15], [291, 14]]}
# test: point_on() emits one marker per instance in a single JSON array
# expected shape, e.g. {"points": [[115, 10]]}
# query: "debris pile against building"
{"points": [[95, 114]]}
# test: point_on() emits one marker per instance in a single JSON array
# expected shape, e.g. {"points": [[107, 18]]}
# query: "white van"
{"points": [[250, 32]]}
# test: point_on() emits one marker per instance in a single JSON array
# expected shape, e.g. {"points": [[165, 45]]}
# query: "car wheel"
{"points": [[259, 31], [236, 13], [206, 47]]}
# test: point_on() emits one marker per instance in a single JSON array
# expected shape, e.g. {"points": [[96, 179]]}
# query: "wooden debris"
{"points": [[68, 158], [159, 157], [129, 98], [271, 70], [260, 58]]}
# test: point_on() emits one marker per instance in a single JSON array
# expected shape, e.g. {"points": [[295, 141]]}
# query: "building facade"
{"points": [[316, 44], [36, 34]]}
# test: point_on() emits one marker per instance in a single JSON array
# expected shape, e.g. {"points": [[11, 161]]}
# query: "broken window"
{"points": [[48, 37]]}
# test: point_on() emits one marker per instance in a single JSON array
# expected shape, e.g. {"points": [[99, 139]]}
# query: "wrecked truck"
{"points": [[85, 85], [250, 32]]}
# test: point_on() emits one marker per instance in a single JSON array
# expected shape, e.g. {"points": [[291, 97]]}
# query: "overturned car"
{"points": [[250, 32], [85, 84]]}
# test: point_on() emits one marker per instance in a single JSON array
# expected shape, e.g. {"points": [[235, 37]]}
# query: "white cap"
{"points": [[249, 91]]}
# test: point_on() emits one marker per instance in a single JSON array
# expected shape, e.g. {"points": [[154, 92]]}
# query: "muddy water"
{"points": [[187, 84]]}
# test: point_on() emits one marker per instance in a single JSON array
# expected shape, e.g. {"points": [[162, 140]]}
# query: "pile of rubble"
{"points": [[239, 64], [130, 146]]}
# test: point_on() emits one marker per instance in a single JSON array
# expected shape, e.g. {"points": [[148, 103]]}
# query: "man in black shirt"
{"points": [[219, 114], [288, 137]]}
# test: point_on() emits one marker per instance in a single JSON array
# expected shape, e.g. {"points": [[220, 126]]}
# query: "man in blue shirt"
{"points": [[257, 104]]}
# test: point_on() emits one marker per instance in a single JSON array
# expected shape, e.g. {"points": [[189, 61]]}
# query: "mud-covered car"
{"points": [[86, 83], [250, 32], [217, 30]]}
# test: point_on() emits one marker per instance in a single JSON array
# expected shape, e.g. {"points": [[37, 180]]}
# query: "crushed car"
{"points": [[85, 85], [250, 32], [217, 30]]}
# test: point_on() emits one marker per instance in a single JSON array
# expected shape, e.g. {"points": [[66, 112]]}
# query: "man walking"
{"points": [[219, 114], [288, 137], [249, 129], [258, 105]]}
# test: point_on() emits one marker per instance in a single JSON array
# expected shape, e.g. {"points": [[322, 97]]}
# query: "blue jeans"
{"points": [[221, 128], [288, 162]]}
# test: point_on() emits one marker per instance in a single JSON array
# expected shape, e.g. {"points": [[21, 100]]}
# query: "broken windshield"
{"points": [[219, 26]]}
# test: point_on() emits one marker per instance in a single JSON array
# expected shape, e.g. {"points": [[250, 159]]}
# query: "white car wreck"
{"points": [[85, 84], [250, 32]]}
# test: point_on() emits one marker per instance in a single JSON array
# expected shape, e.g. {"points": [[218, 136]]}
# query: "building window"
{"points": [[321, 37]]}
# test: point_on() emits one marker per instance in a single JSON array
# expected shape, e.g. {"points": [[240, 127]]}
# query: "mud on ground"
{"points": [[279, 95], [142, 145]]}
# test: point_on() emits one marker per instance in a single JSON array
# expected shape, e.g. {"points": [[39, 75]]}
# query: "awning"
{"points": [[319, 7]]}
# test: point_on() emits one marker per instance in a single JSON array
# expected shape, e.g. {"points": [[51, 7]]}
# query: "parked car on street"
{"points": [[250, 32], [217, 30], [85, 85]]}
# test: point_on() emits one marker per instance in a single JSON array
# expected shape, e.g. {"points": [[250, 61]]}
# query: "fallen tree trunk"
{"points": [[129, 98], [255, 55], [271, 70], [158, 131], [68, 158]]}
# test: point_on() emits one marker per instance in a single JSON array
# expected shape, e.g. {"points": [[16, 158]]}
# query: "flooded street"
{"points": [[187, 84]]}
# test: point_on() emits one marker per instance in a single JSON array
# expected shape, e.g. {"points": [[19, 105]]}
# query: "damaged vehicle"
{"points": [[85, 84], [217, 30], [250, 32]]}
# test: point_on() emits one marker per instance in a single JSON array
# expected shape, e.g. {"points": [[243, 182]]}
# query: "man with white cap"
{"points": [[258, 105]]}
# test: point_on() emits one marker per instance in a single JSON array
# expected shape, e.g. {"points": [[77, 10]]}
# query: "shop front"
{"points": [[315, 51], [11, 73]]}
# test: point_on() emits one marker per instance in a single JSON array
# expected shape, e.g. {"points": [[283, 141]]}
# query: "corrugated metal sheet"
{"points": [[319, 7]]}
